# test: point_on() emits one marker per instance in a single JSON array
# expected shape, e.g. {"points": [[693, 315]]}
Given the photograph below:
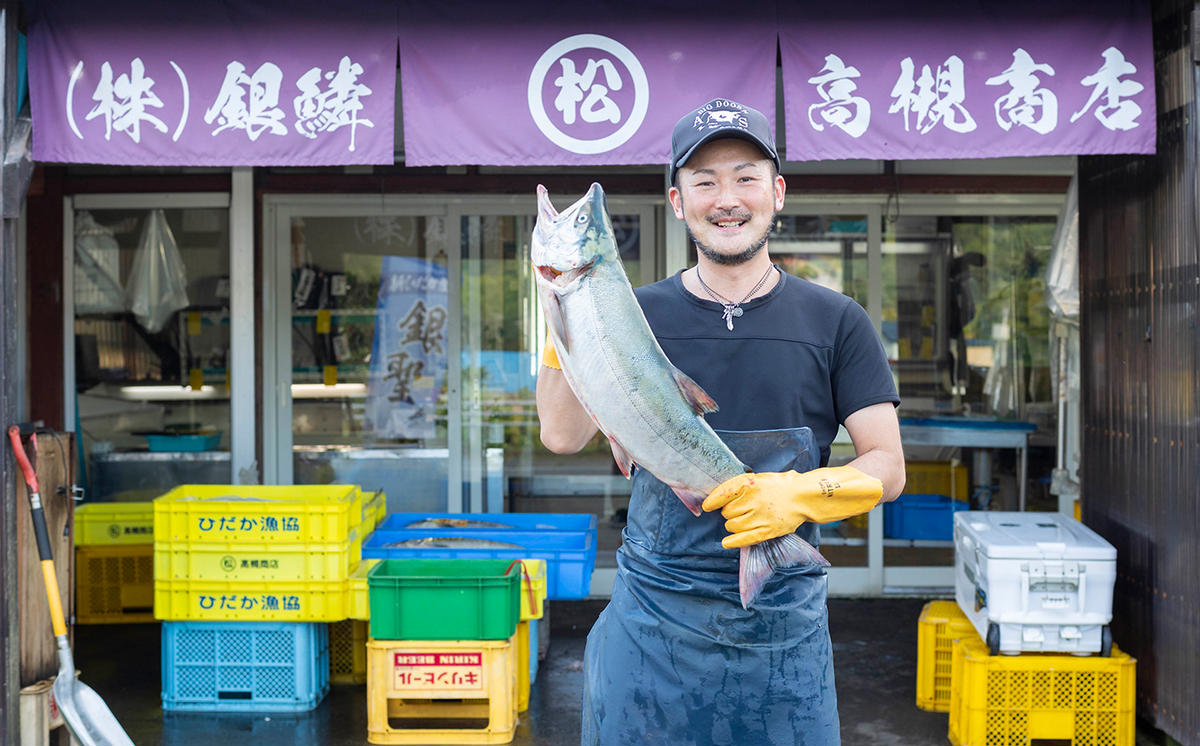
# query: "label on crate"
{"points": [[263, 524], [118, 530], [427, 670], [248, 602]]}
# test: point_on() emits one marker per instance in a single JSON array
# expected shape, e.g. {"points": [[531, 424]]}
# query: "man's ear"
{"points": [[676, 200]]}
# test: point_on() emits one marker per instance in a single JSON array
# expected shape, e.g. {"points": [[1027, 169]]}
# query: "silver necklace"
{"points": [[732, 308]]}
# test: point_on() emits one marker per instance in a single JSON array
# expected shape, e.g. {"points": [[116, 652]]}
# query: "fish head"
{"points": [[568, 246]]}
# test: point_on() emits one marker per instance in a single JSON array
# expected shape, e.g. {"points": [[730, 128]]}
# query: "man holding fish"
{"points": [[701, 644]]}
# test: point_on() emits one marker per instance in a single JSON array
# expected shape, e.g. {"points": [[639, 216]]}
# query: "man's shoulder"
{"points": [[658, 292], [816, 298]]}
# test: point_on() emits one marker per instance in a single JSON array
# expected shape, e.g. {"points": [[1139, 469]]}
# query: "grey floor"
{"points": [[875, 655]]}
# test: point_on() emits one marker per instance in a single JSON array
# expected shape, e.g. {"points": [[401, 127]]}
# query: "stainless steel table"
{"points": [[967, 432]]}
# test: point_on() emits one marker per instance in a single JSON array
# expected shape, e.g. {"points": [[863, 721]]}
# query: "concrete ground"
{"points": [[875, 658]]}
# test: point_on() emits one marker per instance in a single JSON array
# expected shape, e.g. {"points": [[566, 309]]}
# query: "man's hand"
{"points": [[762, 506]]}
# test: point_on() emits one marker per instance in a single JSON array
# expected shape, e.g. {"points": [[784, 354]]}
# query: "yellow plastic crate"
{"points": [[936, 478], [448, 691], [114, 584], [294, 514], [358, 597], [348, 652], [108, 524], [1015, 700], [533, 588], [374, 508], [234, 601], [255, 561], [940, 624], [523, 681]]}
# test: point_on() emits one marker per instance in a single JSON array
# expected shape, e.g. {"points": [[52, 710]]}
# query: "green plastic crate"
{"points": [[444, 599]]}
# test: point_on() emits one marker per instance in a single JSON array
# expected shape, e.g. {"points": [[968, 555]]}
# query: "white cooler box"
{"points": [[1034, 581]]}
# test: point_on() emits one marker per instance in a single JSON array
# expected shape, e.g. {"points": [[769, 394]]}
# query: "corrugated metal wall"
{"points": [[1140, 281]]}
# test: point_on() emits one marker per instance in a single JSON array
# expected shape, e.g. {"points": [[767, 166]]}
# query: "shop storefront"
{"points": [[356, 305]]}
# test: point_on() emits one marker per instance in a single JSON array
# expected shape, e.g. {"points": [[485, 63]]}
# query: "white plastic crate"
{"points": [[1034, 581]]}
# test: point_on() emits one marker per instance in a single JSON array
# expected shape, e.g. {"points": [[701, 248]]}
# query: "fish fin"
{"points": [[691, 498], [552, 310], [545, 207], [701, 402], [621, 456], [758, 562]]}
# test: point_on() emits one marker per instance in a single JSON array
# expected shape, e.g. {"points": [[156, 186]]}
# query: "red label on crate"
{"points": [[438, 671]]}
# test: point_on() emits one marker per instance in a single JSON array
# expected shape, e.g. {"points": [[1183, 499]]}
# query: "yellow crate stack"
{"points": [[1018, 700], [114, 563], [941, 623], [256, 553]]}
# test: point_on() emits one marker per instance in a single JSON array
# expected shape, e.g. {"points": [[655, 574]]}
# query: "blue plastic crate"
{"points": [[570, 556], [244, 666], [533, 650], [928, 517], [584, 522]]}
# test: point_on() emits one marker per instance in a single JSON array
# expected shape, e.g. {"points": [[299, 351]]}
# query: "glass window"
{"points": [[151, 349], [968, 330], [964, 317]]}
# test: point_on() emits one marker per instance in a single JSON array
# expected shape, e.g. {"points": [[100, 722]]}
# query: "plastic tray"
{"points": [[348, 652], [238, 667], [927, 517], [1036, 697], [570, 556], [274, 601], [941, 623], [255, 561], [258, 513], [585, 522], [438, 599], [447, 692], [114, 584], [358, 603], [190, 442], [109, 524]]}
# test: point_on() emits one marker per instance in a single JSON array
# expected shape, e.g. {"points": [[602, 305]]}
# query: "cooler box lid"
{"points": [[1026, 535]]}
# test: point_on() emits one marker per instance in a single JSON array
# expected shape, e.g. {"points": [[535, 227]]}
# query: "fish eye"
{"points": [[581, 219]]}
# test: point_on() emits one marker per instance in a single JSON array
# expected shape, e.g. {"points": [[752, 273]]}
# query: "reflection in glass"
{"points": [[151, 372]]}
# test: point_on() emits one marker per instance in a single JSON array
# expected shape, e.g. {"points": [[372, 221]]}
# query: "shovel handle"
{"points": [[57, 619], [14, 437]]}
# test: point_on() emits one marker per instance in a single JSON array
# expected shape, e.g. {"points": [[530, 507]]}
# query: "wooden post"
{"points": [[55, 467]]}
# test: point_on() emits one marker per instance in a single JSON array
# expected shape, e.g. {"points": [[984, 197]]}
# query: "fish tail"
{"points": [[759, 561]]}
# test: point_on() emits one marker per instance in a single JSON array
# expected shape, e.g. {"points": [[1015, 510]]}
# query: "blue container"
{"points": [[928, 517], [585, 522], [533, 650], [244, 666], [570, 555], [186, 442]]}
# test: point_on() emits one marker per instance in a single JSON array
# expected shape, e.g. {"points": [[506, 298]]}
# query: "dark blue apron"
{"points": [[675, 660]]}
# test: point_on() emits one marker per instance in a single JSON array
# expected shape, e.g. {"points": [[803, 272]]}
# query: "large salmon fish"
{"points": [[651, 412]]}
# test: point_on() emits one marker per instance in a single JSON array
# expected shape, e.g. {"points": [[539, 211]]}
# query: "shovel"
{"points": [[86, 714]]}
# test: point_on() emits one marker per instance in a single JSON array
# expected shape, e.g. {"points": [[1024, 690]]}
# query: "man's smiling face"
{"points": [[728, 195]]}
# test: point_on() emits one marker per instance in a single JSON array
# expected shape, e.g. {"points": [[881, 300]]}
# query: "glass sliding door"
{"points": [[358, 324]]}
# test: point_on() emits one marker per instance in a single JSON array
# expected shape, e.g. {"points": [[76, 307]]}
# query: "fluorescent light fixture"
{"points": [[336, 391]]}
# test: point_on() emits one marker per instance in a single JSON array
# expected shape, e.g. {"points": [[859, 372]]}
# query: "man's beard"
{"points": [[742, 256]]}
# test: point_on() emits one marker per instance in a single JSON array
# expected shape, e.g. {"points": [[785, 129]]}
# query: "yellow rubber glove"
{"points": [[758, 507], [550, 355]]}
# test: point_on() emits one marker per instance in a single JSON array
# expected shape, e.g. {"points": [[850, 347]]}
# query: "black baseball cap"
{"points": [[719, 118]]}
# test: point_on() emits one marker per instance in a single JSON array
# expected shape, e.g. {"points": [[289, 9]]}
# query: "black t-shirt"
{"points": [[801, 355]]}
